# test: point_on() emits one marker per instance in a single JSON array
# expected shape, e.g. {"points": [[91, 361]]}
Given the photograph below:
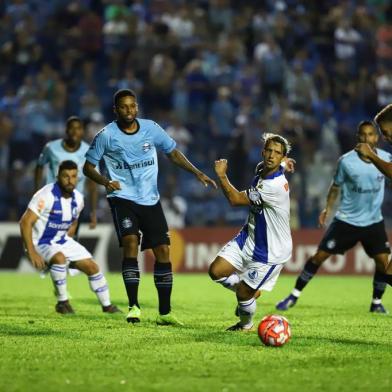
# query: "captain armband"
{"points": [[254, 196]]}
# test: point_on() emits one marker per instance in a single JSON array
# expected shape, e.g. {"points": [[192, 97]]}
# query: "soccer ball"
{"points": [[274, 330]]}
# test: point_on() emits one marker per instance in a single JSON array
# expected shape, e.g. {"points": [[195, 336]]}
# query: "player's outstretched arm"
{"points": [[26, 224], [179, 159], [38, 174], [235, 197], [365, 151], [93, 200], [90, 172]]}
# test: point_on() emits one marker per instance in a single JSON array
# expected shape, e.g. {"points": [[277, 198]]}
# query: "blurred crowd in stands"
{"points": [[215, 74]]}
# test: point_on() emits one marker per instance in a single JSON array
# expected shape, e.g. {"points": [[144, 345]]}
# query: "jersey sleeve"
{"points": [[43, 158], [162, 140], [338, 178], [97, 148], [39, 203]]}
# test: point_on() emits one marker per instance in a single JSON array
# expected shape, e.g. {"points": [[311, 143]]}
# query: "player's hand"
{"points": [[93, 220], [364, 150], [290, 164], [203, 178], [37, 261], [221, 167], [112, 186], [323, 217]]}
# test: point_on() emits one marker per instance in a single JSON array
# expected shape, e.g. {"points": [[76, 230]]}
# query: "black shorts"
{"points": [[131, 218], [342, 236]]}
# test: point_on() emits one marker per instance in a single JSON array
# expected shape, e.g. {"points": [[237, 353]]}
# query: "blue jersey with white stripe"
{"points": [[132, 159], [266, 237], [362, 189], [54, 153], [55, 214]]}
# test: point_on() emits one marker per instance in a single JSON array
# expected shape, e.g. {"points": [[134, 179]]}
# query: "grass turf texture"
{"points": [[336, 345]]}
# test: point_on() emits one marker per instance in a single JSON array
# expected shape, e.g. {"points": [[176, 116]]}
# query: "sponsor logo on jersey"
{"points": [[59, 226], [132, 166]]}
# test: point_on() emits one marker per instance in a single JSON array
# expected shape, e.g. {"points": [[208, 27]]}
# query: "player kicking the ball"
{"points": [[253, 260], [47, 228]]}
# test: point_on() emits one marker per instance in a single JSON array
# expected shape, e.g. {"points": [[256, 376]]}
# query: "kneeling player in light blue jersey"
{"points": [[358, 218], [126, 150], [73, 148], [252, 261], [47, 228]]}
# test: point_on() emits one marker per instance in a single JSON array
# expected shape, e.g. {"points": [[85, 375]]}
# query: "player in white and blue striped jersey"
{"points": [[71, 147], [126, 150], [358, 218], [47, 227], [253, 260]]}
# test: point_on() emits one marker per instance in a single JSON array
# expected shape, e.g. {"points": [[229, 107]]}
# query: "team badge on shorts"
{"points": [[126, 223], [253, 274], [331, 244]]}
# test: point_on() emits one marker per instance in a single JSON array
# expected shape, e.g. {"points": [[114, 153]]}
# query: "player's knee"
{"points": [[319, 258], [214, 271], [162, 253], [58, 258], [130, 243], [91, 268]]}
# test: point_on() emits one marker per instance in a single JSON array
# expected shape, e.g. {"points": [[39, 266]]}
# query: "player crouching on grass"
{"points": [[253, 260], [47, 227]]}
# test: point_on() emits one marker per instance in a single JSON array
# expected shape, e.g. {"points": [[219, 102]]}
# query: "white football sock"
{"points": [[230, 282], [58, 273], [99, 285], [246, 310]]}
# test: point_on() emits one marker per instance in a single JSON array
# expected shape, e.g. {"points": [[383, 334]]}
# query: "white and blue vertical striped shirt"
{"points": [[55, 214], [266, 236]]}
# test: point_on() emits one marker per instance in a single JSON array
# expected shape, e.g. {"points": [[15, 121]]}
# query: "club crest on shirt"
{"points": [[146, 147], [126, 223]]}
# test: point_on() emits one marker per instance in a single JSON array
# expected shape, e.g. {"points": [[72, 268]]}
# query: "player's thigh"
{"points": [[88, 266], [375, 241], [125, 218], [52, 253], [260, 276], [221, 268], [153, 226], [339, 237], [228, 260]]}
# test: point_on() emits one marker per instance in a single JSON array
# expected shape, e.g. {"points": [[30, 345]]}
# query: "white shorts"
{"points": [[258, 276], [72, 250]]}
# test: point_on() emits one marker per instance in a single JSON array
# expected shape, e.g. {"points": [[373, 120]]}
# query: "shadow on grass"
{"points": [[30, 330], [316, 340]]}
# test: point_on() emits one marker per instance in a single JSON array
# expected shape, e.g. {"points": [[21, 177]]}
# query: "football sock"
{"points": [[131, 277], [99, 285], [230, 282], [379, 285], [163, 279], [246, 310], [310, 269], [58, 273]]}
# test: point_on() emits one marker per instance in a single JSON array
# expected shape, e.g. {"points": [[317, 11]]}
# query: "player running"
{"points": [[47, 227], [358, 218], [252, 261]]}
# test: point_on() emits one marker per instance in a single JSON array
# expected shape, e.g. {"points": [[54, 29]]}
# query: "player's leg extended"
{"points": [[310, 269], [379, 282], [58, 273], [163, 279], [98, 284], [224, 273]]}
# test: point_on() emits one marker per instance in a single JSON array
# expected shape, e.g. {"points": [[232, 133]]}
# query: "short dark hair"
{"points": [[364, 123], [67, 165], [126, 92], [72, 119], [385, 115]]}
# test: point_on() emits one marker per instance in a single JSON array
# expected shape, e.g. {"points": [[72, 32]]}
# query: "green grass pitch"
{"points": [[337, 345]]}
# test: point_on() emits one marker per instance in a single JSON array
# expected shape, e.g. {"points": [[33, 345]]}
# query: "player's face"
{"points": [[67, 180], [368, 134], [386, 130], [126, 110], [75, 132], [273, 155]]}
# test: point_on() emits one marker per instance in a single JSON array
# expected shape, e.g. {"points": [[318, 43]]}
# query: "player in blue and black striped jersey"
{"points": [[126, 151]]}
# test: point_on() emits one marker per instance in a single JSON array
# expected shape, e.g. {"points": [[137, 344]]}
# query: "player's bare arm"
{"points": [[26, 224], [179, 159], [93, 200], [90, 172], [289, 164], [72, 230], [365, 151], [235, 197], [333, 193]]}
